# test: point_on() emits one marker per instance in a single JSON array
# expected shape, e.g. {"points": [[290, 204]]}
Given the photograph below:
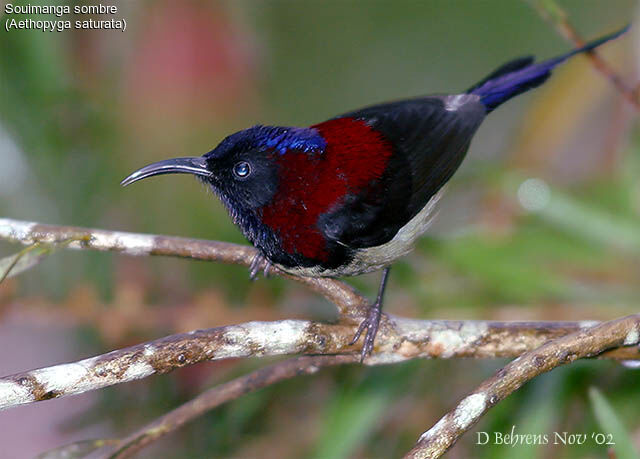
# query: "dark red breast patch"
{"points": [[311, 184]]}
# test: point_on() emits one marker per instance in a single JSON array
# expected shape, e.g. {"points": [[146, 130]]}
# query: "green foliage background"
{"points": [[80, 110]]}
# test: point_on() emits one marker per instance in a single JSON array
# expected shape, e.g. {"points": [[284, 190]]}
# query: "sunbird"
{"points": [[352, 194]]}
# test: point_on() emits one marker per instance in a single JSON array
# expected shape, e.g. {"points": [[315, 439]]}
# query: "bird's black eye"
{"points": [[242, 169]]}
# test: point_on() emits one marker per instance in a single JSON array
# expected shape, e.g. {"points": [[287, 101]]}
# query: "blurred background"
{"points": [[542, 222]]}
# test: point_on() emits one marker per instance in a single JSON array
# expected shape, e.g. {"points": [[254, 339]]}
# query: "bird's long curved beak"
{"points": [[195, 165]]}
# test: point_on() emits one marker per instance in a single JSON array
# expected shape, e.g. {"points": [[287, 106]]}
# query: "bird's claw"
{"points": [[371, 323], [259, 263]]}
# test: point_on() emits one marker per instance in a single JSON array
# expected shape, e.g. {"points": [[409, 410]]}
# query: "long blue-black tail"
{"points": [[522, 74]]}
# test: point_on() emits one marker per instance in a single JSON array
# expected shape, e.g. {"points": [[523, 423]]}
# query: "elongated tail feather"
{"points": [[522, 74]]}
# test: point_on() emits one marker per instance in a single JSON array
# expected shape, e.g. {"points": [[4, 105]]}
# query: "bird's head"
{"points": [[243, 168]]}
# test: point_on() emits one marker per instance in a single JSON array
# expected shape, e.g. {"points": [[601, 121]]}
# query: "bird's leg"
{"points": [[372, 321], [255, 266], [258, 263], [267, 267]]}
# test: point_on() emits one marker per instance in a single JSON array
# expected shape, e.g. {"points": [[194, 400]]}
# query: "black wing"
{"points": [[430, 137]]}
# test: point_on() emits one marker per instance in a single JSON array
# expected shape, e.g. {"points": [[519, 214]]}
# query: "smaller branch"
{"points": [[219, 395], [554, 14], [351, 305], [584, 343], [14, 262]]}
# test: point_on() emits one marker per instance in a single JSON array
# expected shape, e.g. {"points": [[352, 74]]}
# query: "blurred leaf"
{"points": [[22, 261], [30, 256], [581, 219], [535, 416], [349, 421], [551, 8], [515, 269], [534, 413], [356, 410], [76, 450], [611, 424]]}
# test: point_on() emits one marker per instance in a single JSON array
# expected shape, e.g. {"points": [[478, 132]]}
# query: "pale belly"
{"points": [[378, 257]]}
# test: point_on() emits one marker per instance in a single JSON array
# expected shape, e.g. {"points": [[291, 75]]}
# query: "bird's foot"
{"points": [[259, 263], [371, 323]]}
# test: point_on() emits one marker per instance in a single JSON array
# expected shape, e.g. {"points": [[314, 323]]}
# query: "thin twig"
{"points": [[15, 261], [218, 395], [583, 343], [554, 14]]}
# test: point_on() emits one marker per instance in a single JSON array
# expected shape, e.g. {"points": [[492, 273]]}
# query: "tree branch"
{"points": [[399, 339], [554, 14], [588, 342]]}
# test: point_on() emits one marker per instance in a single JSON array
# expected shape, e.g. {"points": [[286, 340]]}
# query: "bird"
{"points": [[351, 195]]}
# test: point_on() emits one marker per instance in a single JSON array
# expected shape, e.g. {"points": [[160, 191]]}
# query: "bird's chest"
{"points": [[308, 188], [312, 186], [375, 258], [294, 213]]}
